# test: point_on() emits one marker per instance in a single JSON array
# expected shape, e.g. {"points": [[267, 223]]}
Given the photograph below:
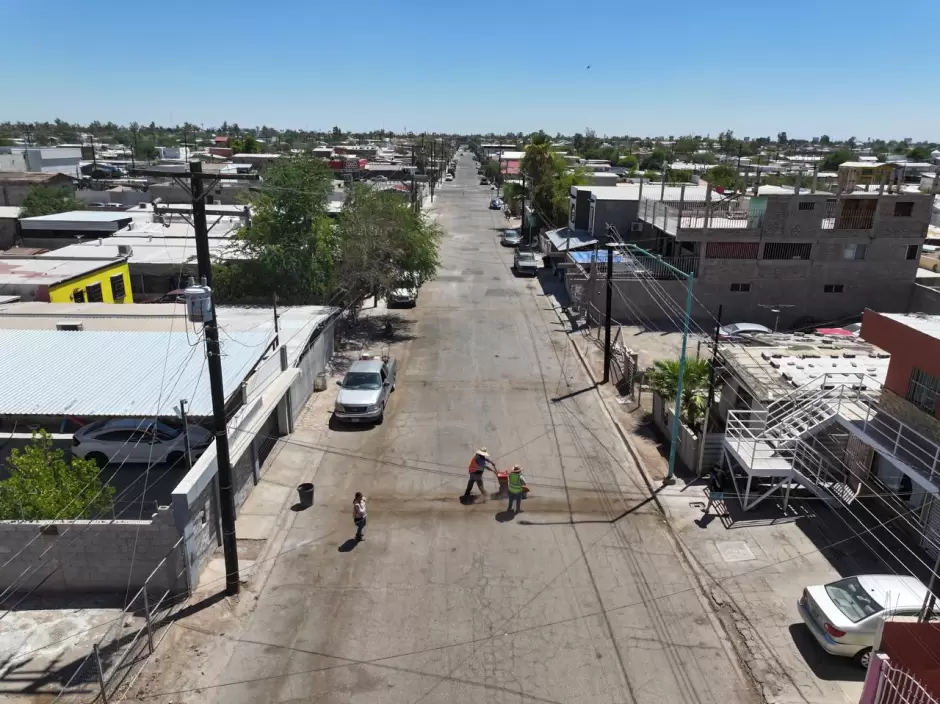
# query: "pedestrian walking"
{"points": [[517, 489], [478, 465], [359, 515]]}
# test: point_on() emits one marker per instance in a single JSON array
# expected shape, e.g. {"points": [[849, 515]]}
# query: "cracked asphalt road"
{"points": [[455, 603]]}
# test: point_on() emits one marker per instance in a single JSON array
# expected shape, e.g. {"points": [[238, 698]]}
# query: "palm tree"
{"points": [[664, 379]]}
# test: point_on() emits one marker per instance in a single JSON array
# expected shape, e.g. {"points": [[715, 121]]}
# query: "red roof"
{"points": [[221, 140]]}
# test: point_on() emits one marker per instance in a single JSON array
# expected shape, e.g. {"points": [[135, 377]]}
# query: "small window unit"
{"points": [[912, 251], [94, 293], [740, 288], [78, 296], [903, 209], [118, 290], [807, 205], [833, 288], [854, 252]]}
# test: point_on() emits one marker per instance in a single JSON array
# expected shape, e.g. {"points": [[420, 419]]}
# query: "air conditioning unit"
{"points": [[70, 325], [125, 250], [636, 227]]}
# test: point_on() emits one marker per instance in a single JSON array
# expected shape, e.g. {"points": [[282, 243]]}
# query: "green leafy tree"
{"points": [[651, 175], [42, 200], [382, 241], [491, 169], [782, 139], [678, 176], [290, 243], [656, 160], [687, 145], [43, 486], [834, 159], [824, 140], [663, 377], [549, 180], [629, 162], [919, 154], [722, 175]]}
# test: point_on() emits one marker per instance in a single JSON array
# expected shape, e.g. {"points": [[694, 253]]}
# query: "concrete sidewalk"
{"points": [[752, 566]]}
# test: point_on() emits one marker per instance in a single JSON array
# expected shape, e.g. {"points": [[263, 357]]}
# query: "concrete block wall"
{"points": [[203, 530], [90, 556]]}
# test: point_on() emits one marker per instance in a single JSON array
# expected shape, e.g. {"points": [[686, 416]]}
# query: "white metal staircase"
{"points": [[772, 444]]}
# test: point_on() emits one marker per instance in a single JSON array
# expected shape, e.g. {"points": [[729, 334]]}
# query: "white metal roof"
{"points": [[90, 373], [146, 250], [9, 212]]}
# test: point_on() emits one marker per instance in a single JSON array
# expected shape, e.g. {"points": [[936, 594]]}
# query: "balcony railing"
{"points": [[718, 215]]}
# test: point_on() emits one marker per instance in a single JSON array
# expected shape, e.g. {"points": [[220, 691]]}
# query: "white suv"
{"points": [[137, 440]]}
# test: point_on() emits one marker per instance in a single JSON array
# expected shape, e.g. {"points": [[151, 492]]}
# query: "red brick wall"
{"points": [[908, 348]]}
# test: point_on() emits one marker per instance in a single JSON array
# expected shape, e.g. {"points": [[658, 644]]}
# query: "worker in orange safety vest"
{"points": [[480, 463]]}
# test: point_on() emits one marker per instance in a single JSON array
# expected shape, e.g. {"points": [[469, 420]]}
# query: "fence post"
{"points": [[147, 617], [104, 690]]}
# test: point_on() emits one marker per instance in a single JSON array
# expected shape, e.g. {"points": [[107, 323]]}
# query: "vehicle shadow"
{"points": [[340, 427]]}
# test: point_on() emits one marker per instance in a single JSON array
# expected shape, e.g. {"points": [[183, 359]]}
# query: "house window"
{"points": [[117, 287], [787, 250], [807, 205], [740, 288], [903, 209], [94, 293], [833, 288], [912, 251], [923, 390], [78, 296], [731, 250], [854, 251]]}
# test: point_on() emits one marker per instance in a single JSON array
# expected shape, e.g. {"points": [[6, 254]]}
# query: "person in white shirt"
{"points": [[359, 515]]}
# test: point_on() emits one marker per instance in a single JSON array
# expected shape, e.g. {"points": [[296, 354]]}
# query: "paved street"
{"points": [[582, 598]]}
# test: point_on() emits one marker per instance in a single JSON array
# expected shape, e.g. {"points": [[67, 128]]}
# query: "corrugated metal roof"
{"points": [[90, 373]]}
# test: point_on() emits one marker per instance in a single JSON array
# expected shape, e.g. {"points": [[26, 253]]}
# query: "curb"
{"points": [[624, 437]]}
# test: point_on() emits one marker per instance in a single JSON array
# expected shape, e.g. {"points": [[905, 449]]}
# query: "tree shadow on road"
{"points": [[369, 334]]}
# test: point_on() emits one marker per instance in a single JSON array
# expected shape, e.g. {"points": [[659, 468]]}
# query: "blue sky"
{"points": [[809, 67]]}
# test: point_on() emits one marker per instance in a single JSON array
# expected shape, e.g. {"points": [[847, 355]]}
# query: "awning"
{"points": [[561, 237]]}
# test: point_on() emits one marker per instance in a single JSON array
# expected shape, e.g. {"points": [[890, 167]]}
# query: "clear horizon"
{"points": [[654, 70]]}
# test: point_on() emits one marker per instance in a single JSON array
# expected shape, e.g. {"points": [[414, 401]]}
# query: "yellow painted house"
{"points": [[46, 278]]}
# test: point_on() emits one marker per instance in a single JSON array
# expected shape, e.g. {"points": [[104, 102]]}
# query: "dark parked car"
{"points": [[174, 296]]}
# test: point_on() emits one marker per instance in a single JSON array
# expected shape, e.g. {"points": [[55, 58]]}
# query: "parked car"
{"points": [[137, 440], [177, 295], [365, 389], [405, 293], [510, 238], [844, 616], [449, 177], [496, 204], [484, 182], [525, 262], [741, 330]]}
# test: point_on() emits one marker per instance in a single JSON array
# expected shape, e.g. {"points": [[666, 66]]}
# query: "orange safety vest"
{"points": [[474, 467]]}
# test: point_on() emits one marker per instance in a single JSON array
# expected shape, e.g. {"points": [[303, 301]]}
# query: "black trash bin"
{"points": [[305, 494]]}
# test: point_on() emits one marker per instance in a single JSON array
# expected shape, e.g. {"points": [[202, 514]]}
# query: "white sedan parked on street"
{"points": [[843, 616], [137, 440]]}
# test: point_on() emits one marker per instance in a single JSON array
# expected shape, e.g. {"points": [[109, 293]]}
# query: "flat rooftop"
{"points": [[147, 250], [773, 370], [927, 324], [92, 220], [47, 270]]}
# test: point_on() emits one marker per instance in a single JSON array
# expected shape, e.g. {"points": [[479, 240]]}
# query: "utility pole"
{"points": [[610, 287], [214, 363], [213, 357], [522, 213], [711, 393]]}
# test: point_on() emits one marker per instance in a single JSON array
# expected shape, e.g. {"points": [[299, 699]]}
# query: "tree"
{"points": [[43, 486], [834, 159], [782, 139], [919, 154], [687, 145], [824, 140], [629, 162], [663, 377], [382, 241], [577, 142], [722, 176], [290, 243], [656, 160], [678, 176], [491, 169], [42, 200], [337, 134], [549, 180]]}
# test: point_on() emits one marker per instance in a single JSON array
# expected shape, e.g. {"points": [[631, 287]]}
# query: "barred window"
{"points": [[118, 291], [923, 390], [788, 250], [94, 293], [833, 288], [807, 205], [740, 288], [731, 250]]}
